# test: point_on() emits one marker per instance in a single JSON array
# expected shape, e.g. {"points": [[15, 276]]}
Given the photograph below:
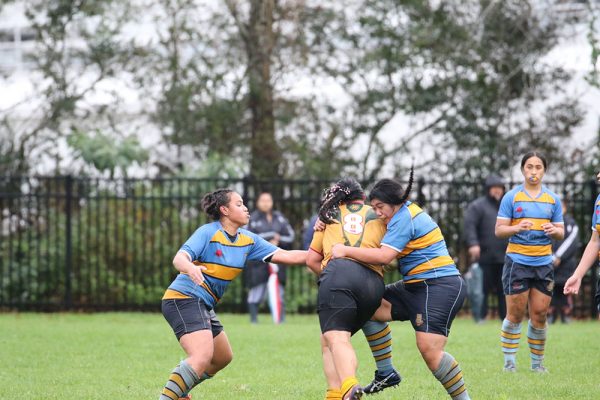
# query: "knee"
{"points": [[431, 355], [199, 363], [538, 318]]}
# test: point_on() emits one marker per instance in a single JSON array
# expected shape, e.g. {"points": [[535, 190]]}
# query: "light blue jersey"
{"points": [[223, 257], [532, 247], [419, 240]]}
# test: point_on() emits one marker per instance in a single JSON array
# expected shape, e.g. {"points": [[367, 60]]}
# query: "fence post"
{"points": [[68, 241], [593, 195]]}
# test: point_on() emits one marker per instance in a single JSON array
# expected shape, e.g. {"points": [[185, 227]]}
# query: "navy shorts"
{"points": [[430, 305], [518, 278], [190, 315], [349, 295]]}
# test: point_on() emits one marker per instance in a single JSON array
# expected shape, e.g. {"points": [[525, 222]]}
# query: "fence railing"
{"points": [[107, 244]]}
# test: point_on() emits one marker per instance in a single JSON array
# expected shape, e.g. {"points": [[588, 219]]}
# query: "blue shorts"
{"points": [[430, 305], [518, 278], [190, 315]]}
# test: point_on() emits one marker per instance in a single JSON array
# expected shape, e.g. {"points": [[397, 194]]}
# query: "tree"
{"points": [[77, 56]]}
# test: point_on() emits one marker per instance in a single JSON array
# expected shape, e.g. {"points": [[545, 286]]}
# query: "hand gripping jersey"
{"points": [[532, 247], [419, 240], [223, 257], [355, 225]]}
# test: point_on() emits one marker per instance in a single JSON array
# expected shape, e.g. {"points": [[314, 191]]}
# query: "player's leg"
{"points": [[540, 296], [379, 336], [437, 301], [191, 321], [443, 366], [331, 376], [198, 346], [344, 359], [515, 282]]}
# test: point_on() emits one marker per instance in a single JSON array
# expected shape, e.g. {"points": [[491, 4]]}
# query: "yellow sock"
{"points": [[333, 394], [347, 385]]}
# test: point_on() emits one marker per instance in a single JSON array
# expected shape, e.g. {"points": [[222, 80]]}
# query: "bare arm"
{"points": [[313, 261], [589, 257], [555, 230], [184, 264], [505, 230], [294, 257], [382, 255]]}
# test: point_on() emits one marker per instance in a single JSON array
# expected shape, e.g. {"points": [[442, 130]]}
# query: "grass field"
{"points": [[129, 356]]}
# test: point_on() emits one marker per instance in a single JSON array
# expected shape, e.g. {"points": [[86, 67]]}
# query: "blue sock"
{"points": [[450, 376], [509, 338], [379, 336], [537, 340]]}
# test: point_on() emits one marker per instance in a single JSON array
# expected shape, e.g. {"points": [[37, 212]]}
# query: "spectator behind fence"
{"points": [[564, 255], [483, 245], [272, 226]]}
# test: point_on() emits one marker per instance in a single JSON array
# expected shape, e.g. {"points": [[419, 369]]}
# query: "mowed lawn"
{"points": [[130, 355]]}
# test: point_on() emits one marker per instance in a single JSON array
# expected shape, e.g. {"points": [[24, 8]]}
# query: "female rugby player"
{"points": [[349, 291], [589, 257], [530, 216], [208, 261], [432, 290]]}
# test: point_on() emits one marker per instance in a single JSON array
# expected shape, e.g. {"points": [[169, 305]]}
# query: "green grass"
{"points": [[129, 356]]}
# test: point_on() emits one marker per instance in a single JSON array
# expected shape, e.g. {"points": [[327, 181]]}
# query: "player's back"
{"points": [[356, 225]]}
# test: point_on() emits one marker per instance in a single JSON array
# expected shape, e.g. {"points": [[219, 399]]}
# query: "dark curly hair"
{"points": [[390, 191], [344, 190], [212, 202]]}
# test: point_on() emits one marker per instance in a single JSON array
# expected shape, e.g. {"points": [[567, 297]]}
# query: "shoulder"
{"points": [[248, 233], [551, 194], [208, 229], [512, 192]]}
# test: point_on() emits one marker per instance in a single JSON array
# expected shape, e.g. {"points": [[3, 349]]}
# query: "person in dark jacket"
{"points": [[564, 255], [272, 226], [483, 245]]}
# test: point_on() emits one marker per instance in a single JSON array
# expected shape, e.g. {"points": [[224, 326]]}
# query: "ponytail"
{"points": [[342, 191]]}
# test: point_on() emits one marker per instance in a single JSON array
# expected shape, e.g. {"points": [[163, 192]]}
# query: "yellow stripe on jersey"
{"points": [[242, 240], [174, 294], [220, 271], [528, 250], [537, 222], [544, 198], [414, 210], [424, 241], [214, 296], [437, 262]]}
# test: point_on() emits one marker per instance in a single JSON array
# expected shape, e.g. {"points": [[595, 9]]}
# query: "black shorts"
{"points": [[518, 278], [430, 305], [349, 295], [190, 315]]}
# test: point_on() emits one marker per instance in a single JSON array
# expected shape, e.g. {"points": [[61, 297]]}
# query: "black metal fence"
{"points": [[107, 244]]}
